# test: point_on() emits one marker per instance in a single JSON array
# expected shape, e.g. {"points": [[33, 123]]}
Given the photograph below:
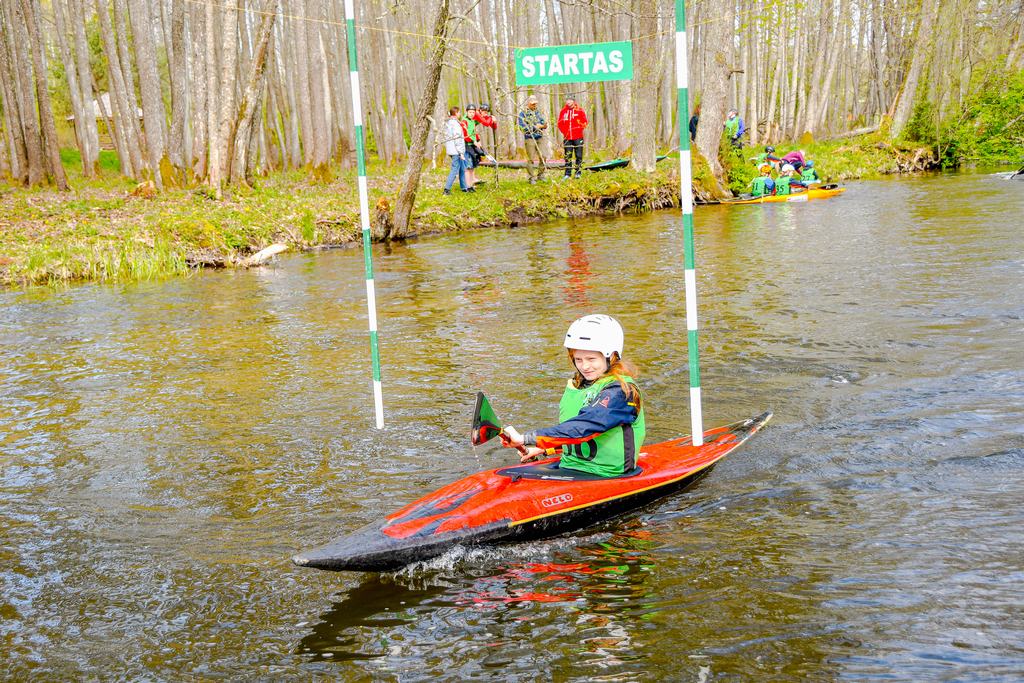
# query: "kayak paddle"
{"points": [[487, 424]]}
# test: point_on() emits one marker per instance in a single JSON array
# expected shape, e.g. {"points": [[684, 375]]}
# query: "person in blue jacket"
{"points": [[601, 415], [734, 128]]}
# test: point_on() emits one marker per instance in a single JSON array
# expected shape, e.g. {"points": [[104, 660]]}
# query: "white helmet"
{"points": [[786, 168], [601, 333]]}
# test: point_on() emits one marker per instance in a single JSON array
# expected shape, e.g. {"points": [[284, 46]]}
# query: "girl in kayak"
{"points": [[601, 413]]}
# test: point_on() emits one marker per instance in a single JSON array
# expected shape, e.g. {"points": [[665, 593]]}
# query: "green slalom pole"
{"points": [[364, 209], [686, 200]]}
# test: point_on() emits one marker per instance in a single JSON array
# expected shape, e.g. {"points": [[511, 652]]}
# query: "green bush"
{"points": [[990, 125]]}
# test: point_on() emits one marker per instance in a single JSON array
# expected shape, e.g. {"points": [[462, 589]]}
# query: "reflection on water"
{"points": [[165, 447]]}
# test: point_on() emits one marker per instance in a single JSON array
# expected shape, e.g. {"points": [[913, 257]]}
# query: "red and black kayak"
{"points": [[525, 502]]}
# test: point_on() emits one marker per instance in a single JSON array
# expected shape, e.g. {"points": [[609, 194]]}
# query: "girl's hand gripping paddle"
{"points": [[487, 425]]}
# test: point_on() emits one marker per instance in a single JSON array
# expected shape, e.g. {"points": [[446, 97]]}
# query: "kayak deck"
{"points": [[508, 504]]}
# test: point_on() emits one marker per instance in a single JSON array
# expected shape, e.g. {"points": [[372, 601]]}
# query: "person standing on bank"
{"points": [[572, 121], [734, 128], [455, 148], [468, 123], [533, 125], [471, 136]]}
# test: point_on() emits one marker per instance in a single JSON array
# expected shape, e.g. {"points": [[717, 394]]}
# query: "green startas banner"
{"points": [[574, 63]]}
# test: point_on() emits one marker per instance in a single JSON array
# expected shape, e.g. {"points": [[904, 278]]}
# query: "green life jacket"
{"points": [[809, 175], [470, 128], [610, 453], [759, 186], [782, 185]]}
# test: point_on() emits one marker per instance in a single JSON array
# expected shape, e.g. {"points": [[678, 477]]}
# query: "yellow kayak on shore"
{"points": [[813, 193]]}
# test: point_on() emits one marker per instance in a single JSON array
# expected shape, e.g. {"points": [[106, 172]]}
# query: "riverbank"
{"points": [[112, 230]]}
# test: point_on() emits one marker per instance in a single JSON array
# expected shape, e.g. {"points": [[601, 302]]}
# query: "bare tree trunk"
{"points": [[816, 118], [411, 178], [214, 175], [667, 98], [199, 88], [125, 110], [179, 87], [229, 62], [1015, 55], [319, 152], [921, 56], [50, 147], [251, 95], [645, 84], [5, 164], [793, 67], [719, 40], [294, 120], [622, 100], [23, 90], [129, 105], [301, 46], [153, 113], [85, 79], [774, 98], [85, 117], [12, 96], [754, 81]]}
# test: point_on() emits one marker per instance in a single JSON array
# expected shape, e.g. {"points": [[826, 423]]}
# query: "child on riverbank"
{"points": [[601, 417]]}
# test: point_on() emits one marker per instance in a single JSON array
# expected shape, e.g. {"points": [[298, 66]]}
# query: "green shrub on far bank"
{"points": [[987, 127], [990, 125]]}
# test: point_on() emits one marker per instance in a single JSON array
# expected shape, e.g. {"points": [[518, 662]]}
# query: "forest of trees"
{"points": [[215, 91]]}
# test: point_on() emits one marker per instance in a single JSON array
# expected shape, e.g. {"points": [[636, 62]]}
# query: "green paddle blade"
{"points": [[486, 425]]}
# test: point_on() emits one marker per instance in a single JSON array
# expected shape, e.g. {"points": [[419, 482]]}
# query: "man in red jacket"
{"points": [[572, 121]]}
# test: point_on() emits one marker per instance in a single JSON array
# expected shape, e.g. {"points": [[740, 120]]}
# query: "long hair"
{"points": [[617, 368]]}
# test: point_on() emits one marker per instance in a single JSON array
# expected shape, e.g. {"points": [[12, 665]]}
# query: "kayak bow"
{"points": [[524, 502]]}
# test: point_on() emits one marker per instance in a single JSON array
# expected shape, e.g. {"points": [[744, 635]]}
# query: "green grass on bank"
{"points": [[100, 231]]}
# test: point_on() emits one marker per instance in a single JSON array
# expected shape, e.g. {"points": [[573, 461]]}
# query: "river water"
{"points": [[166, 447]]}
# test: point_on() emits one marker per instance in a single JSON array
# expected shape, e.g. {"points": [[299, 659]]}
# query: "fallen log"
{"points": [[262, 256]]}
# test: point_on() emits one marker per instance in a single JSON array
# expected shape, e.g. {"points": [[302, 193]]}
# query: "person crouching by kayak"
{"points": [[601, 416], [767, 157], [809, 174], [796, 159], [764, 184], [787, 180]]}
